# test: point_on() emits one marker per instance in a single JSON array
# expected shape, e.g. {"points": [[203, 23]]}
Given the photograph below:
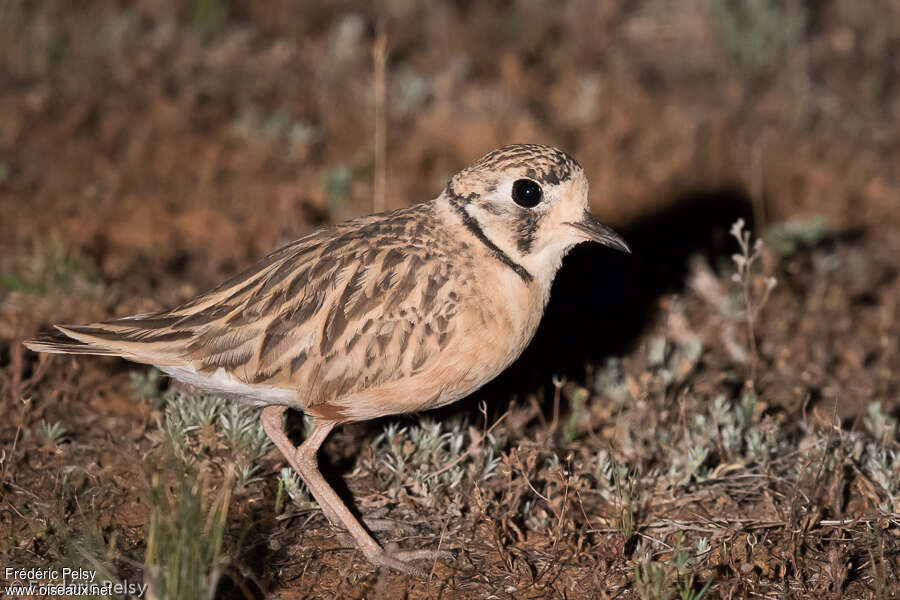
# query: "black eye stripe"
{"points": [[527, 193]]}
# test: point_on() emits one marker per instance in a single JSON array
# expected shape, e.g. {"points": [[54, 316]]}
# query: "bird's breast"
{"points": [[495, 324]]}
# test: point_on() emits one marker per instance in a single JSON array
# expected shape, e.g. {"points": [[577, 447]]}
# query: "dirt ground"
{"points": [[678, 427]]}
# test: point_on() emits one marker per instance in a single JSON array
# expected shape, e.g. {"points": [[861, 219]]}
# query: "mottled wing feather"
{"points": [[335, 313], [162, 338], [370, 305]]}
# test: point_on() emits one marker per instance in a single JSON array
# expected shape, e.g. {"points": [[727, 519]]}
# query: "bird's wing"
{"points": [[162, 338], [334, 313]]}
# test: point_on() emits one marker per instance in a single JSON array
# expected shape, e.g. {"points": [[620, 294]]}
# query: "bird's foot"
{"points": [[400, 560]]}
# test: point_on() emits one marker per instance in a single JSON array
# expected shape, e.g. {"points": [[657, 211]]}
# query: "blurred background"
{"points": [[151, 148], [194, 135]]}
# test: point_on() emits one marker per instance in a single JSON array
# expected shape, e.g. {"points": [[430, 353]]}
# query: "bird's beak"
{"points": [[598, 232]]}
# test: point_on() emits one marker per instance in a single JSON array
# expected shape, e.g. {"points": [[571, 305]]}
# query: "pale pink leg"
{"points": [[303, 460]]}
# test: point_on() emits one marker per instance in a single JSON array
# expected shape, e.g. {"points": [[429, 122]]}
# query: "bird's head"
{"points": [[531, 202]]}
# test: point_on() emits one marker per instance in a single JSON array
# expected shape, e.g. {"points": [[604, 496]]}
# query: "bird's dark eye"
{"points": [[526, 193]]}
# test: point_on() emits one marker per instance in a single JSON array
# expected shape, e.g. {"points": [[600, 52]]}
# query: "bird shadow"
{"points": [[602, 300]]}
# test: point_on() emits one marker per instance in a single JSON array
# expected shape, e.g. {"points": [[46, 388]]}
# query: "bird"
{"points": [[391, 313]]}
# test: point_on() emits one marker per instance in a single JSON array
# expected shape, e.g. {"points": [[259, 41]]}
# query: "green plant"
{"points": [[145, 384], [206, 420], [882, 426], [576, 413], [245, 474], [624, 484], [208, 16], [242, 430], [883, 467], [697, 455], [429, 458], [52, 266], [202, 434], [52, 433], [184, 557], [338, 182], [290, 483], [674, 578], [787, 237], [757, 33]]}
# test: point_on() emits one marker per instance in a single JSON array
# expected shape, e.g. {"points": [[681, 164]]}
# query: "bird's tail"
{"points": [[59, 343], [140, 338]]}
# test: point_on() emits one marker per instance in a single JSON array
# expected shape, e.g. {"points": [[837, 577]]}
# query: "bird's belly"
{"points": [[223, 383]]}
